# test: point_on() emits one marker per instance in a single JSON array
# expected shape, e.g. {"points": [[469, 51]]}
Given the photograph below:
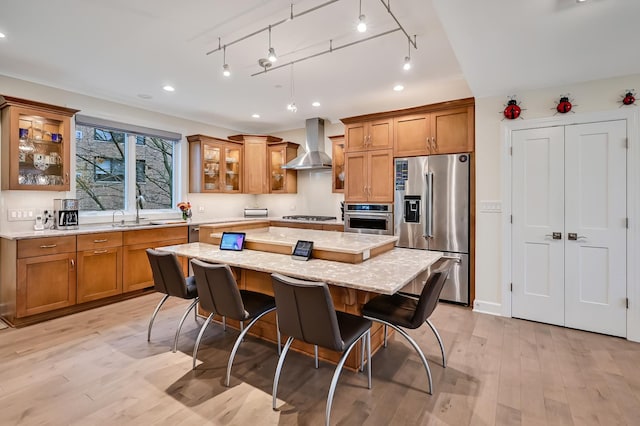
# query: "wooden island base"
{"points": [[344, 299]]}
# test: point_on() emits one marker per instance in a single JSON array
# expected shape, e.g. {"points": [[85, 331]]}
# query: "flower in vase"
{"points": [[185, 208]]}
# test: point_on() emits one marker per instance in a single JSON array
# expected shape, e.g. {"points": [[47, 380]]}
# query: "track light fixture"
{"points": [[407, 59], [362, 22], [225, 67], [272, 52], [291, 107]]}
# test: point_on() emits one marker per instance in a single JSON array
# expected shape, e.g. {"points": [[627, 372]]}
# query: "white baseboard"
{"points": [[490, 308]]}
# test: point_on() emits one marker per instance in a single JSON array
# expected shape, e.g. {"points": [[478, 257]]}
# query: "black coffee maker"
{"points": [[65, 213]]}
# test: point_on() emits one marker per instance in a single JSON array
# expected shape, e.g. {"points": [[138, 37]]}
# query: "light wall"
{"points": [[595, 96], [215, 205], [314, 186]]}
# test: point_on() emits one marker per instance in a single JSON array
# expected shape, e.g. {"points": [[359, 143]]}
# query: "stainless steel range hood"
{"points": [[314, 157]]}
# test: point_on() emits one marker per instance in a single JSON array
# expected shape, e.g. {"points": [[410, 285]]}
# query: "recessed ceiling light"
{"points": [[144, 96], [169, 88], [2, 35], [398, 87], [316, 104], [255, 115]]}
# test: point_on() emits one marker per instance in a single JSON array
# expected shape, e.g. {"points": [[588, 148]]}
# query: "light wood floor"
{"points": [[96, 368]]}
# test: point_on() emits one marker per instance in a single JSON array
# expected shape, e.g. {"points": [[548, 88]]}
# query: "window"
{"points": [[104, 178]]}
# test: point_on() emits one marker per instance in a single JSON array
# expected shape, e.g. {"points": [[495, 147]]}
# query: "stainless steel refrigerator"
{"points": [[432, 213]]}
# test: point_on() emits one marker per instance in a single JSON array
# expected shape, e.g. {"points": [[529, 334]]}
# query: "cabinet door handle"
{"points": [[49, 246], [100, 241], [435, 144], [66, 177], [100, 251], [73, 263]]}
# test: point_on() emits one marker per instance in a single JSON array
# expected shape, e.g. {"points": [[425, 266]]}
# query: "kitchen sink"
{"points": [[133, 224]]}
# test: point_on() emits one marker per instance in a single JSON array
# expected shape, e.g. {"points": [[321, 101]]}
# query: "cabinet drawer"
{"points": [[98, 241], [45, 246], [154, 235]]}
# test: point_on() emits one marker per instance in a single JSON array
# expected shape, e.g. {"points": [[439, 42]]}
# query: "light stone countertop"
{"points": [[386, 273], [335, 241], [315, 222], [93, 228]]}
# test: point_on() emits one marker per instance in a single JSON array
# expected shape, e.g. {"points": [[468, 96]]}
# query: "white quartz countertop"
{"points": [[93, 228], [335, 241], [315, 222], [386, 273]]}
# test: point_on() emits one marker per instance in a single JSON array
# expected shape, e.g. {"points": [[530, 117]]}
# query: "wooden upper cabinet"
{"points": [[356, 168], [282, 180], [215, 165], [448, 131], [366, 135], [380, 176], [337, 163], [256, 175], [369, 176], [412, 135], [453, 131], [36, 141]]}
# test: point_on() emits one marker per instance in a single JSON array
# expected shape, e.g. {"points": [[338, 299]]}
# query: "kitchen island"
{"points": [[351, 285]]}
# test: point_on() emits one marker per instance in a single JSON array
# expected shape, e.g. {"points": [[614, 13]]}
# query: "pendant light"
{"points": [[407, 59], [291, 107], [271, 56], [362, 22], [225, 67]]}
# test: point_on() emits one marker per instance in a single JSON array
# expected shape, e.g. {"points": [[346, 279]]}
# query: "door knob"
{"points": [[555, 235], [573, 236]]}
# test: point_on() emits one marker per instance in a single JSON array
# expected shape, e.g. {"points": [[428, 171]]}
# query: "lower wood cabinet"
{"points": [[99, 266], [46, 275], [43, 278], [137, 272]]}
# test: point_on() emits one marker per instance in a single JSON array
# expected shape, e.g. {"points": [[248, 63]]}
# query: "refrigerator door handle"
{"points": [[429, 199]]}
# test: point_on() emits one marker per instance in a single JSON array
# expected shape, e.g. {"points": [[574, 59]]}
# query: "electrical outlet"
{"points": [[14, 215], [200, 209], [292, 207], [491, 206]]}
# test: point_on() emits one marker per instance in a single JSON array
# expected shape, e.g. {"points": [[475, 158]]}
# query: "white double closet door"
{"points": [[569, 229]]}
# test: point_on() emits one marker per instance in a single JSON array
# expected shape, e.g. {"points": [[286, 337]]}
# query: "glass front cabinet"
{"points": [[35, 145], [215, 165], [282, 180]]}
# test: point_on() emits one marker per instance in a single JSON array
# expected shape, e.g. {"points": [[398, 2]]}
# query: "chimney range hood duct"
{"points": [[314, 157]]}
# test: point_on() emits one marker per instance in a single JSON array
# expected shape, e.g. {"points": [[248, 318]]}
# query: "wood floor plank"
{"points": [[97, 368]]}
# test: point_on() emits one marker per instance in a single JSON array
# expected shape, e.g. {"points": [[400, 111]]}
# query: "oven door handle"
{"points": [[385, 216]]}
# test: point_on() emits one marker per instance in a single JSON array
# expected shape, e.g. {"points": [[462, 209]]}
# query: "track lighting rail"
{"points": [[282, 21], [331, 49], [387, 6]]}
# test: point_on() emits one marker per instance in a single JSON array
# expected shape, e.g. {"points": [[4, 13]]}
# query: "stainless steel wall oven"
{"points": [[368, 218]]}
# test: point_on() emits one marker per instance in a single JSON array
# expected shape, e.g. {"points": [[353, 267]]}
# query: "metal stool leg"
{"points": [[334, 380], [195, 348], [184, 316], [153, 317], [237, 344], [433, 328], [385, 336], [276, 378], [315, 353]]}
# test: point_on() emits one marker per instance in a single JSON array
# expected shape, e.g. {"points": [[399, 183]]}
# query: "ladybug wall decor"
{"points": [[564, 104], [629, 98], [512, 110]]}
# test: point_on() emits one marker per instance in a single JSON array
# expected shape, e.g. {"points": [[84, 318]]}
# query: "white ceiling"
{"points": [[121, 49]]}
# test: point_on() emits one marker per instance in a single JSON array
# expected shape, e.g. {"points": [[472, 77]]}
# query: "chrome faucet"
{"points": [[113, 217], [139, 199]]}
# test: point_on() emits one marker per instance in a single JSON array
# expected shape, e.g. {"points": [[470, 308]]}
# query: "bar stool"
{"points": [[401, 310], [306, 312], [169, 279], [219, 294]]}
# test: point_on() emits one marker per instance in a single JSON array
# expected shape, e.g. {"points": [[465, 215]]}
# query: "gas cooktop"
{"points": [[312, 218]]}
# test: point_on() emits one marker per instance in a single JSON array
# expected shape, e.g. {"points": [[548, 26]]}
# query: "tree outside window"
{"points": [[101, 171]]}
